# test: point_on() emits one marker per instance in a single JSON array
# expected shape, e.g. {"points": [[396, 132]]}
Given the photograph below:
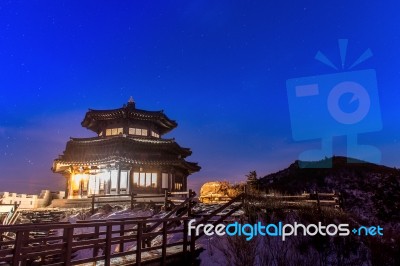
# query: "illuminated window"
{"points": [[154, 134], [114, 131], [124, 180], [164, 180], [145, 180], [178, 186], [148, 179], [153, 180], [138, 131], [135, 179], [114, 179], [142, 180]]}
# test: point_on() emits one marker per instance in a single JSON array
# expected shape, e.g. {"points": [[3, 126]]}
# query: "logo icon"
{"points": [[339, 104]]}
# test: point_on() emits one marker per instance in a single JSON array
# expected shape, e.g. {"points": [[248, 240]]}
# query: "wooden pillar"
{"points": [[170, 181], [159, 181], [108, 190], [173, 182], [130, 181], [81, 184], [70, 188], [67, 178], [184, 183], [119, 180]]}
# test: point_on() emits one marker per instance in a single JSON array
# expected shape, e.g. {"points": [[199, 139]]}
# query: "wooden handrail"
{"points": [[179, 193], [222, 218], [224, 206], [177, 207], [24, 249], [132, 198]]}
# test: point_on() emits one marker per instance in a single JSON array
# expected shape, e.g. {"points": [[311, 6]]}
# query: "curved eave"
{"points": [[193, 167], [60, 165], [145, 142], [93, 117]]}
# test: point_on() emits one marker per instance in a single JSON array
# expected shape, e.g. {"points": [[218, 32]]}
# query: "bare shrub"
{"points": [[237, 251]]}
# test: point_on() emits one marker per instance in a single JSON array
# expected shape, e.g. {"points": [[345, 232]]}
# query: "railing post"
{"points": [[185, 238], [192, 243], [318, 202], [146, 230], [25, 239], [121, 233], [68, 238], [139, 244], [92, 205], [190, 204], [96, 235], [146, 242], [164, 244], [42, 258], [1, 238], [132, 200], [107, 248], [17, 247], [165, 198]]}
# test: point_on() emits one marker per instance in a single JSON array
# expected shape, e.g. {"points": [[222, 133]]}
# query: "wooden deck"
{"points": [[150, 257], [95, 242], [128, 241], [112, 242]]}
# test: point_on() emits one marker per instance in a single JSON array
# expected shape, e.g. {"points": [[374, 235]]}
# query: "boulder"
{"points": [[218, 191]]}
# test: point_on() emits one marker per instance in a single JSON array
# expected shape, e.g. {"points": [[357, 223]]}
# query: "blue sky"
{"points": [[217, 67]]}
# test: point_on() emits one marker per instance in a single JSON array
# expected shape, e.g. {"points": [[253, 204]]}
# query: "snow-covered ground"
{"points": [[210, 255], [234, 250]]}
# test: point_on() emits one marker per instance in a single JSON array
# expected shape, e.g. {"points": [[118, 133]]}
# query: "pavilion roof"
{"points": [[93, 118], [133, 149]]}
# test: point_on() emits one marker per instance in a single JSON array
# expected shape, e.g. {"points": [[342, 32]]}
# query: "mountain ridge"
{"points": [[370, 191]]}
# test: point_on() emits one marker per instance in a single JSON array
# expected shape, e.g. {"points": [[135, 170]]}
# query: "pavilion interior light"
{"points": [[77, 178]]}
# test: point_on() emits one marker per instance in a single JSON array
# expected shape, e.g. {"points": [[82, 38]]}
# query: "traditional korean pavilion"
{"points": [[127, 155]]}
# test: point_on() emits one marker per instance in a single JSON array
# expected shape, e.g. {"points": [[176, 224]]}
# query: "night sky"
{"points": [[219, 68]]}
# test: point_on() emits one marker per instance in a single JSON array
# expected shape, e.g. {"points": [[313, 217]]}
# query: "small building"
{"points": [[25, 201], [128, 155]]}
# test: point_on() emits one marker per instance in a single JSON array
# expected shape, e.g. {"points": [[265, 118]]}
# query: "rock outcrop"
{"points": [[214, 192]]}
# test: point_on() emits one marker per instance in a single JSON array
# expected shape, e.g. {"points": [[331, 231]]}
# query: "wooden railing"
{"points": [[98, 200], [316, 198], [130, 238], [11, 215], [333, 199], [230, 204], [187, 204], [91, 241]]}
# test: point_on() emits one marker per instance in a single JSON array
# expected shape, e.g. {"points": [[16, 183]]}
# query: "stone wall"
{"points": [[26, 201]]}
